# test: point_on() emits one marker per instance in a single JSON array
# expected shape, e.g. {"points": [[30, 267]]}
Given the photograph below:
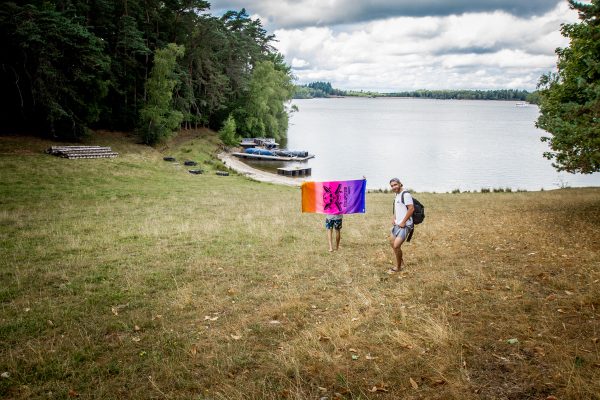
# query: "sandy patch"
{"points": [[257, 174]]}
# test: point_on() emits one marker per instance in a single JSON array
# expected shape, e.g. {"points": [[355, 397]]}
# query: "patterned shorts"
{"points": [[333, 224]]}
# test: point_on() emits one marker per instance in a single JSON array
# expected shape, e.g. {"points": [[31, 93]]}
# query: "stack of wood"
{"points": [[82, 152]]}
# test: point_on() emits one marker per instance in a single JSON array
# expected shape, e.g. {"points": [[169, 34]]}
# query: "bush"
{"points": [[227, 134]]}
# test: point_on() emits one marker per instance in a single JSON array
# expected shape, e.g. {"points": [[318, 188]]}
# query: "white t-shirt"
{"points": [[400, 208]]}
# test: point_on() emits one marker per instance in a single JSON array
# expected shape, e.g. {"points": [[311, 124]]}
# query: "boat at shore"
{"points": [[268, 149], [267, 143], [267, 155]]}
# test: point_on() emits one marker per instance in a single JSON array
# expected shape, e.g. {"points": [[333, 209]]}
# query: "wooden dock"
{"points": [[294, 171], [271, 158]]}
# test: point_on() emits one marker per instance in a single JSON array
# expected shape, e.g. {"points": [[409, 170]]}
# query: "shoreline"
{"points": [[257, 174]]}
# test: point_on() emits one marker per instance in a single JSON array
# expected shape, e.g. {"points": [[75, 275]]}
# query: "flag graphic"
{"points": [[335, 197]]}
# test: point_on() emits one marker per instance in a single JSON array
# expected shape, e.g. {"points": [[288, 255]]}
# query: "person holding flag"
{"points": [[334, 198], [334, 221]]}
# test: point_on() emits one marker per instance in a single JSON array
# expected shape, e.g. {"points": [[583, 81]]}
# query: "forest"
{"points": [[324, 89], [149, 66]]}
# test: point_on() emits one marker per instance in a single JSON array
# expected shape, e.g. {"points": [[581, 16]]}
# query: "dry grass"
{"points": [[130, 278]]}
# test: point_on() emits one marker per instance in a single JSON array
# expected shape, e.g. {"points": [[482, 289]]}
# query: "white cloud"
{"points": [[473, 50], [300, 13]]}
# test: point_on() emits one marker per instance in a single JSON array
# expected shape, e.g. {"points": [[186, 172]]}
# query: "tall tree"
{"points": [[53, 71], [570, 98], [158, 119], [264, 112]]}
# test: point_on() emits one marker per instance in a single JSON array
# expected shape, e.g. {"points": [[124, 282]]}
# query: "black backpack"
{"points": [[419, 213]]}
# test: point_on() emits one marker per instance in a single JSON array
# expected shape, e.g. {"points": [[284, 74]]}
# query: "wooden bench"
{"points": [[72, 152]]}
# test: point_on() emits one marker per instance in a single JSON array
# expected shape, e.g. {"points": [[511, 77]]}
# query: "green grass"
{"points": [[131, 278]]}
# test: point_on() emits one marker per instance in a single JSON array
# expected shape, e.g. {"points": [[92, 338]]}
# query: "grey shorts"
{"points": [[401, 232]]}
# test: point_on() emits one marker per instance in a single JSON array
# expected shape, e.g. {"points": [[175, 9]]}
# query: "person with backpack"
{"points": [[402, 222]]}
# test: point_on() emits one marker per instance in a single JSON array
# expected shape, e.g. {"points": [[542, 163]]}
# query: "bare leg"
{"points": [[396, 243], [398, 250], [329, 239], [338, 236]]}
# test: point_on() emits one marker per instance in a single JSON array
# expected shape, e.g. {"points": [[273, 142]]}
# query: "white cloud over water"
{"points": [[395, 45]]}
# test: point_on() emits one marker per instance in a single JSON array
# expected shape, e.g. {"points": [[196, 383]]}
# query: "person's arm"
{"points": [[409, 213]]}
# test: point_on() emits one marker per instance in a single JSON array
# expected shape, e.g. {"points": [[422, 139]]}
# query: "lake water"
{"points": [[431, 145]]}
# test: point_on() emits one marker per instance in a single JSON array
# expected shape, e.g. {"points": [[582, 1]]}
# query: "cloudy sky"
{"points": [[394, 45]]}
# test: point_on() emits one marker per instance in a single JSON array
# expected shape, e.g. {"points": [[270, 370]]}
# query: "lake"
{"points": [[431, 145]]}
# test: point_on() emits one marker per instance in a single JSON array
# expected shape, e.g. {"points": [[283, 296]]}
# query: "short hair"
{"points": [[395, 180]]}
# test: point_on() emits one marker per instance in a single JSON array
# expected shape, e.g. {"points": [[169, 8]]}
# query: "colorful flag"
{"points": [[335, 197]]}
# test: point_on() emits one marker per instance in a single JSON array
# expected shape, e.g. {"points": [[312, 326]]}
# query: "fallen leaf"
{"points": [[568, 293], [560, 310], [5, 375], [539, 351], [512, 341], [324, 338], [551, 297], [194, 350], [439, 382], [370, 357], [73, 393], [136, 339], [413, 383], [209, 318], [551, 398], [115, 309], [355, 357], [351, 350], [322, 389], [375, 389], [456, 313], [236, 337], [354, 319], [274, 322]]}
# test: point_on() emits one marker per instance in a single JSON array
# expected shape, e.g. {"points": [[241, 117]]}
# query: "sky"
{"points": [[398, 45]]}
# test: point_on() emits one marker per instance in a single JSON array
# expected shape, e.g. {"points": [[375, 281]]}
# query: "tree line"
{"points": [[324, 89], [67, 66]]}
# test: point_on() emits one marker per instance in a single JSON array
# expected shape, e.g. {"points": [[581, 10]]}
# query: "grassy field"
{"points": [[131, 278]]}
